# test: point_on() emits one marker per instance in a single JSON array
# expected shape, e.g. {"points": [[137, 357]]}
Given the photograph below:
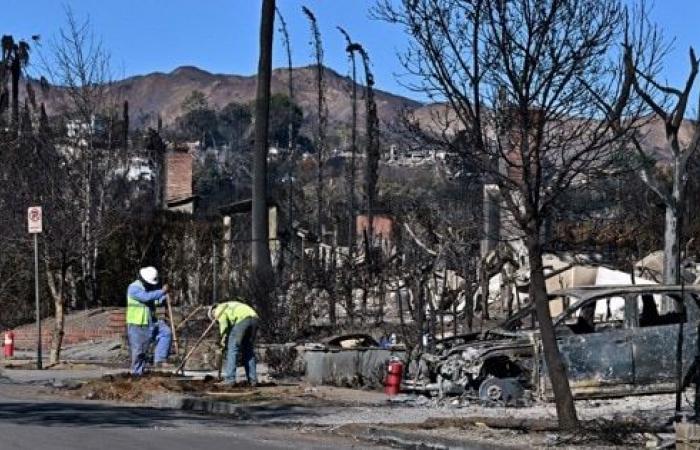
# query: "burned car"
{"points": [[614, 340]]}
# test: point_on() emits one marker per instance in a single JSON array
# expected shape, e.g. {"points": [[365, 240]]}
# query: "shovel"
{"points": [[199, 341]]}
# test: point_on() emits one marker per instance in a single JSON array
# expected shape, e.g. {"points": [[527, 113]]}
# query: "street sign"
{"points": [[34, 219], [35, 225]]}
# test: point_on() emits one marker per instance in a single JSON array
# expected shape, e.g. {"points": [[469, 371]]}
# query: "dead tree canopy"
{"points": [[522, 82], [644, 52]]}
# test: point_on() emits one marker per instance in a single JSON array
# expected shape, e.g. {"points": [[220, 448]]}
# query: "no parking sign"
{"points": [[34, 219]]}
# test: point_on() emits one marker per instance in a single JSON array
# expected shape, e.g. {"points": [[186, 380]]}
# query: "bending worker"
{"points": [[238, 325], [143, 327]]}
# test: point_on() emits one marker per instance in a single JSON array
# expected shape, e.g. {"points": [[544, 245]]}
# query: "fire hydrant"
{"points": [[394, 375], [9, 345]]}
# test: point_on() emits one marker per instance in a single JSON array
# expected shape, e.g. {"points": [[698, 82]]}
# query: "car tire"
{"points": [[501, 390]]}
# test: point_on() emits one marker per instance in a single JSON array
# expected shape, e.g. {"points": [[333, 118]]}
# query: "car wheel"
{"points": [[507, 390]]}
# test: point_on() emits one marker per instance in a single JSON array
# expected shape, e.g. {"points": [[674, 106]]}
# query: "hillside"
{"points": [[164, 92]]}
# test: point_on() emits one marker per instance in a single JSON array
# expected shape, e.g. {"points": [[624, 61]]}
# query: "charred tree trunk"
{"points": [[331, 287], [420, 310], [670, 272], [484, 281], [321, 120], [566, 411], [672, 219], [353, 148], [290, 146], [371, 175]]}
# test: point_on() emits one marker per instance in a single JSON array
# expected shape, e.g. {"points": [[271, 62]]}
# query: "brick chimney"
{"points": [[178, 182]]}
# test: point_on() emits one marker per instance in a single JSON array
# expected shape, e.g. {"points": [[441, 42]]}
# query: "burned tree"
{"points": [[80, 64], [350, 176], [321, 117], [290, 133], [644, 50], [372, 153], [290, 80], [372, 147], [15, 56], [540, 57], [84, 196]]}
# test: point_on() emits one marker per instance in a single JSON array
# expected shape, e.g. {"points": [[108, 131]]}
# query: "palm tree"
{"points": [[322, 118], [353, 145], [15, 56]]}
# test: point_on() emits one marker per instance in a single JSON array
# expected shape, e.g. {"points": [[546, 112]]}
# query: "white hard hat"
{"points": [[149, 275]]}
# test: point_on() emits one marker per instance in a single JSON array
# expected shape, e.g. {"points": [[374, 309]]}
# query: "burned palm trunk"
{"points": [[290, 139], [15, 56], [371, 170], [353, 148], [322, 118], [372, 160]]}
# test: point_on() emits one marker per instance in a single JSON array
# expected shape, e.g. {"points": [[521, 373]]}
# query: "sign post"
{"points": [[35, 226]]}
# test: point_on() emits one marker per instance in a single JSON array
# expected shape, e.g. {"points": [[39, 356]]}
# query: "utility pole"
{"points": [[261, 262]]}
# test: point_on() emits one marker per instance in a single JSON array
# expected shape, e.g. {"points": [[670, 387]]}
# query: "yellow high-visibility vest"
{"points": [[137, 313], [230, 313]]}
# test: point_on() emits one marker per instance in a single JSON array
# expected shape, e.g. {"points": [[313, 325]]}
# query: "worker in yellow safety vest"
{"points": [[143, 327], [238, 325]]}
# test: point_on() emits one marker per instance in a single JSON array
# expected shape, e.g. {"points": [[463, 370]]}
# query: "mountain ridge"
{"points": [[163, 93]]}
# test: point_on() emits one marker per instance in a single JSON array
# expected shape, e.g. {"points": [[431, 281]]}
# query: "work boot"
{"points": [[164, 365]]}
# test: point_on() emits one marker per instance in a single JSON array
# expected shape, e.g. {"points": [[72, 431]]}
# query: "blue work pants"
{"points": [[140, 340], [241, 335]]}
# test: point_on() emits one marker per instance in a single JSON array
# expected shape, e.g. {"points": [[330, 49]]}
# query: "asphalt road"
{"points": [[37, 424]]}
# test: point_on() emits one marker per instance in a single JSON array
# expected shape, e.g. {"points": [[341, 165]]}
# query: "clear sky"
{"points": [[221, 36]]}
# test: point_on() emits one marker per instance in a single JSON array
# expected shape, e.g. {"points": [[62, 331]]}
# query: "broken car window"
{"points": [[596, 316], [649, 309]]}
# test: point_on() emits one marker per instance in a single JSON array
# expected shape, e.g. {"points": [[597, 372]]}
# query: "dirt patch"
{"points": [[131, 389], [128, 388]]}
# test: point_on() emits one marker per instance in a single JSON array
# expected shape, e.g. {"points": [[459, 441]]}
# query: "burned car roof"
{"points": [[588, 293]]}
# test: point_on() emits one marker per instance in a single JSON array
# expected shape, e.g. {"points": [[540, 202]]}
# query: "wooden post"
{"points": [[172, 326]]}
